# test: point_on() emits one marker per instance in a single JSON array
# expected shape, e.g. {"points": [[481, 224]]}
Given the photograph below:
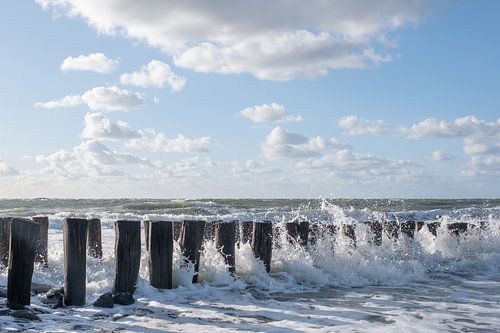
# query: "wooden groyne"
{"points": [[24, 244]]}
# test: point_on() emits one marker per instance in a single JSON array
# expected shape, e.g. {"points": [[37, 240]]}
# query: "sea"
{"points": [[432, 283]]}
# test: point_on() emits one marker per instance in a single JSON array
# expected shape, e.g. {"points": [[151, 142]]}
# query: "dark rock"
{"points": [[105, 301], [123, 298], [40, 288], [3, 292], [54, 297], [25, 314]]}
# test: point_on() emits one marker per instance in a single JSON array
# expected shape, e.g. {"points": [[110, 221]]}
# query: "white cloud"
{"points": [[366, 168], [281, 143], [96, 62], [113, 99], [441, 155], [481, 139], [100, 99], [6, 170], [159, 142], [154, 74], [65, 102], [353, 125], [275, 40], [252, 167], [268, 113], [98, 126], [90, 158]]}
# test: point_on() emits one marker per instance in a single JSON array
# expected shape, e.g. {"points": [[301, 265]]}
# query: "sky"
{"points": [[250, 99]]}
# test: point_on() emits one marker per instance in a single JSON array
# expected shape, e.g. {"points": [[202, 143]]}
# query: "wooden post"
{"points": [[24, 234], [4, 241], [177, 230], [146, 225], [262, 242], [349, 230], [457, 229], [209, 232], [303, 232], [191, 243], [375, 237], [391, 230], [432, 227], [246, 232], [41, 251], [408, 228], [94, 239], [298, 231], [314, 232], [75, 264], [277, 235], [225, 240], [161, 249], [127, 256], [291, 230]]}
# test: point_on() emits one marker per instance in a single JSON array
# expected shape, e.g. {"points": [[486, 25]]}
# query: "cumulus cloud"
{"points": [[355, 167], [6, 170], [441, 155], [481, 139], [281, 143], [353, 125], [95, 62], [160, 142], [98, 126], [273, 40], [154, 74], [268, 113], [113, 99], [65, 102], [100, 99], [90, 158]]}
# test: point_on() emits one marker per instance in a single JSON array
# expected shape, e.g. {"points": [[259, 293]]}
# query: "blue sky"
{"points": [[316, 99]]}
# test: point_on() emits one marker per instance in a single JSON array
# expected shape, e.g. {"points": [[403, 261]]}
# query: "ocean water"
{"points": [[441, 283]]}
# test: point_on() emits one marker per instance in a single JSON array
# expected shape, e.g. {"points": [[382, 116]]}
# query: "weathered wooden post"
{"points": [[262, 242], [225, 239], [246, 232], [314, 232], [209, 232], [24, 234], [432, 227], [303, 232], [457, 229], [177, 230], [391, 230], [94, 238], [298, 231], [408, 228], [41, 251], [375, 237], [75, 263], [291, 231], [191, 243], [349, 230], [146, 225], [4, 240], [127, 259], [161, 249]]}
